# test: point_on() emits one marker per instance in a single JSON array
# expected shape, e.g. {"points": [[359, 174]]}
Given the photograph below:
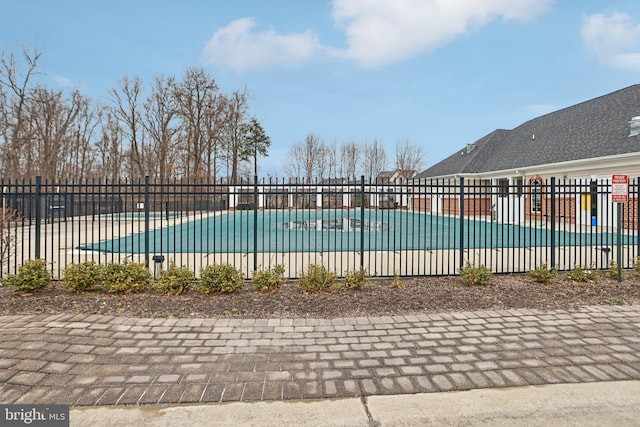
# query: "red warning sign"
{"points": [[620, 188]]}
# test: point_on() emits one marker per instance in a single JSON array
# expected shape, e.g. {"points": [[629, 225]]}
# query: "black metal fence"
{"points": [[415, 228]]}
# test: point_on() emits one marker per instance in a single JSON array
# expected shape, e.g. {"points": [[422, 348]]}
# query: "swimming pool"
{"points": [[338, 230]]}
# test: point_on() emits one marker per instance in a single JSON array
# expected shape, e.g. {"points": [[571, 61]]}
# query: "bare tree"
{"points": [[194, 97], [127, 111], [81, 159], [8, 217], [350, 159], [109, 147], [306, 159], [213, 132], [324, 162], [43, 131], [52, 118], [234, 146], [161, 124], [182, 129], [374, 159], [409, 158], [4, 145], [294, 161], [332, 169], [15, 81]]}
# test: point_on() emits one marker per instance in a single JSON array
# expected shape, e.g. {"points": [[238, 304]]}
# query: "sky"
{"points": [[438, 74]]}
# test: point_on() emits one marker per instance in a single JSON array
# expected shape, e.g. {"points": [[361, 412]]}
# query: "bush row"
{"points": [[131, 277], [481, 275]]}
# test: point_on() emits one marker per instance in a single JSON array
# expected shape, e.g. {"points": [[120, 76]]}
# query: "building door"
{"points": [[510, 206], [589, 205]]}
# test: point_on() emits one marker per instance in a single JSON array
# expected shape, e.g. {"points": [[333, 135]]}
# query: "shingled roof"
{"points": [[591, 129]]}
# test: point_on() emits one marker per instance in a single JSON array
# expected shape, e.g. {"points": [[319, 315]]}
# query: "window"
{"points": [[634, 126], [536, 196], [503, 187], [486, 186]]}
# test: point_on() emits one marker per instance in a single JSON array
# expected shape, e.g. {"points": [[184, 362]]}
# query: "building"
{"points": [[389, 190], [585, 143]]}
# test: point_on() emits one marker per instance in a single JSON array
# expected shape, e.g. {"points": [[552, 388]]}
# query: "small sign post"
{"points": [[619, 195]]}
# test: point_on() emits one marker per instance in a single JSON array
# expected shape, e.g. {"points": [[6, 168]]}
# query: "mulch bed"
{"points": [[379, 297]]}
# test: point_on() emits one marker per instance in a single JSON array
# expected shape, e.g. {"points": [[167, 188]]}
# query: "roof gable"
{"points": [[470, 159], [594, 128]]}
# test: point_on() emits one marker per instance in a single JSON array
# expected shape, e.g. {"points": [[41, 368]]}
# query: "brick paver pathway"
{"points": [[101, 360]]}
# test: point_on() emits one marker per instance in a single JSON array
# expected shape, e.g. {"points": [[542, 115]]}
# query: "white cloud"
{"points": [[380, 32], [62, 81], [238, 47], [614, 40]]}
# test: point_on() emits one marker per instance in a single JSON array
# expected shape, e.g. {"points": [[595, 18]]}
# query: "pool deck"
{"points": [[64, 239]]}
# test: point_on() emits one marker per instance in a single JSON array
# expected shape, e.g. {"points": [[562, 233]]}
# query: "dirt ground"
{"points": [[379, 297]]}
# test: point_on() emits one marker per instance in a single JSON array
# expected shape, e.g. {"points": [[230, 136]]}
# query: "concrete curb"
{"points": [[588, 404]]}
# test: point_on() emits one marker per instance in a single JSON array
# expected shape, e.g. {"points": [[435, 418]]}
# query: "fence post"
{"points": [[255, 222], [361, 222], [638, 216], [4, 228], [38, 204], [461, 222], [146, 220], [619, 238], [553, 223]]}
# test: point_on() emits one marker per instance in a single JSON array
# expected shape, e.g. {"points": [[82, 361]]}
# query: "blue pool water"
{"points": [[340, 230]]}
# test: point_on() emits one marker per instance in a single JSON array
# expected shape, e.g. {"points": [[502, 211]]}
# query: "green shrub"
{"points": [[582, 274], [129, 277], [269, 280], [472, 275], [396, 282], [82, 277], [317, 278], [543, 275], [636, 266], [174, 280], [356, 279], [613, 270], [223, 278], [32, 275]]}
